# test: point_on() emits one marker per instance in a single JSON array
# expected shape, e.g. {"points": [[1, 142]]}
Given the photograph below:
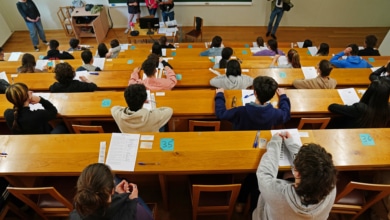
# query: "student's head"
{"points": [[94, 188], [318, 176], [102, 50], [157, 49], [53, 44], [74, 43], [233, 68], [114, 43], [135, 96], [260, 41], [216, 41], [293, 58], [370, 41], [273, 45], [87, 57], [163, 40], [1, 53], [307, 43], [154, 57], [376, 98], [18, 95], [28, 63], [355, 49], [226, 53], [323, 50], [64, 73], [324, 68], [149, 67], [264, 88]]}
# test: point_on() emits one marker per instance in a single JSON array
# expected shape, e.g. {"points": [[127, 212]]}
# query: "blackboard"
{"points": [[191, 2]]}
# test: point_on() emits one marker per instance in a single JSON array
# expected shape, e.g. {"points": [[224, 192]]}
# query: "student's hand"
{"points": [[137, 69], [276, 57], [285, 135], [33, 99], [134, 193], [280, 91], [219, 90], [84, 79], [122, 187], [347, 50], [37, 19]]}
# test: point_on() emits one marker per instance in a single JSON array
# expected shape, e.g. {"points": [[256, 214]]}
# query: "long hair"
{"points": [[377, 100], [226, 53], [293, 58], [17, 94], [323, 50], [94, 189], [233, 68], [273, 45], [28, 63]]}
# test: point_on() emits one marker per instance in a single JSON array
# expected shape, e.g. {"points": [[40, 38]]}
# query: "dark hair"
{"points": [[157, 49], [307, 43], [64, 73], [265, 88], [293, 58], [376, 98], [28, 63], [114, 43], [355, 49], [154, 57], [371, 41], [53, 44], [149, 67], [1, 49], [94, 188], [273, 45], [233, 68], [74, 43], [323, 50], [388, 68], [226, 53], [102, 50], [216, 41], [135, 96], [86, 55], [318, 174], [325, 67], [163, 40], [260, 41], [17, 94]]}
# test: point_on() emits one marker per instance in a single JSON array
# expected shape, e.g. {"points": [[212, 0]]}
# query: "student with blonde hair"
{"points": [[293, 60]]}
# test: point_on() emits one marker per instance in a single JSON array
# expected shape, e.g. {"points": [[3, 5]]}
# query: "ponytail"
{"points": [[15, 125], [87, 201], [293, 58]]}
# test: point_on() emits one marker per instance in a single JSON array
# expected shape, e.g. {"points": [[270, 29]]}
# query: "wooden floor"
{"points": [[335, 37]]}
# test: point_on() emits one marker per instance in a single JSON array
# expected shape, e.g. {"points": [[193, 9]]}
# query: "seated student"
{"points": [[87, 57], [271, 51], [307, 43], [1, 54], [322, 81], [64, 75], [369, 50], [97, 197], [55, 54], [164, 43], [227, 52], [215, 47], [313, 191], [157, 49], [260, 43], [323, 50], [21, 120], [293, 60], [28, 64], [352, 61], [74, 45], [102, 50], [134, 118], [151, 82], [259, 115], [113, 52], [233, 78], [381, 73], [372, 111]]}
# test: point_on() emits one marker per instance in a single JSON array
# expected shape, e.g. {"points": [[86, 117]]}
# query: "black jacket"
{"points": [[376, 75], [368, 52], [74, 86], [57, 55]]}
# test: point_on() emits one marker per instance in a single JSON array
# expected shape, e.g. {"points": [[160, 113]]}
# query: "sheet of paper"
{"points": [[147, 137], [148, 104], [313, 50], [146, 145], [122, 153], [300, 44], [164, 52], [348, 96], [254, 49], [285, 158], [309, 72], [41, 64], [217, 59], [102, 152], [124, 46], [254, 44], [162, 30], [80, 73], [38, 106], [375, 68], [99, 62], [282, 60], [3, 76], [14, 56], [247, 96]]}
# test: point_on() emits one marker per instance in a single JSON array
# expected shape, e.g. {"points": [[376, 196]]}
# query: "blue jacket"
{"points": [[350, 62], [253, 116]]}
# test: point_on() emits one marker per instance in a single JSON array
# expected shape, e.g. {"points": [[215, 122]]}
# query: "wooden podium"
{"points": [[97, 26]]}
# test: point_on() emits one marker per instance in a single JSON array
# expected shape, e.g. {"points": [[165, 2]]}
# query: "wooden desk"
{"points": [[97, 28]]}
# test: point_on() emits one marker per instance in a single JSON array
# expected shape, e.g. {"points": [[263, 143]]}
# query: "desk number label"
{"points": [[167, 144], [106, 102], [366, 140]]}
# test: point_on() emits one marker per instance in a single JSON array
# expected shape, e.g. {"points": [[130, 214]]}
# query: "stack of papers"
{"points": [[123, 150], [285, 158]]}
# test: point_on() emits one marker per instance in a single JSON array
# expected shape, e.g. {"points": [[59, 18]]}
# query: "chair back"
{"points": [[62, 208], [78, 129], [198, 23], [210, 124], [323, 122], [226, 207]]}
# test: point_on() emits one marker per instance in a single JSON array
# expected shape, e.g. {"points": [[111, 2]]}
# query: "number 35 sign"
{"points": [[167, 144]]}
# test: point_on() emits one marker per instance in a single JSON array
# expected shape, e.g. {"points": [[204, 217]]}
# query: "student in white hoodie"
{"points": [[312, 194], [233, 78], [134, 118]]}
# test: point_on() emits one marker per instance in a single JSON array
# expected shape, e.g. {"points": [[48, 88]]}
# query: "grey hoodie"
{"points": [[232, 82]]}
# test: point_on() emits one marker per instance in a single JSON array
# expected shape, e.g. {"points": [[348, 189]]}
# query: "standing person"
{"points": [[133, 9], [276, 12], [152, 6], [166, 7], [32, 17]]}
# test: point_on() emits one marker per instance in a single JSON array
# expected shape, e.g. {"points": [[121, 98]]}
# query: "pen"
{"points": [[256, 141], [247, 96], [148, 163], [3, 154]]}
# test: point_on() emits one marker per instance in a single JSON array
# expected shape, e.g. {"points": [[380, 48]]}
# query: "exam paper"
{"points": [[4, 76], [41, 64], [313, 50], [282, 60], [300, 44], [309, 72], [99, 62], [285, 158], [124, 46], [14, 56], [150, 101], [122, 153], [348, 96], [247, 96], [80, 73]]}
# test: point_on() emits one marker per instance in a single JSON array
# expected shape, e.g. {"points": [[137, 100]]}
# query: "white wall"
{"points": [[313, 13], [5, 32]]}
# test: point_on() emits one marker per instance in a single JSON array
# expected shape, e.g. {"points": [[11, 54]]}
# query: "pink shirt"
{"points": [[151, 2], [153, 83]]}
